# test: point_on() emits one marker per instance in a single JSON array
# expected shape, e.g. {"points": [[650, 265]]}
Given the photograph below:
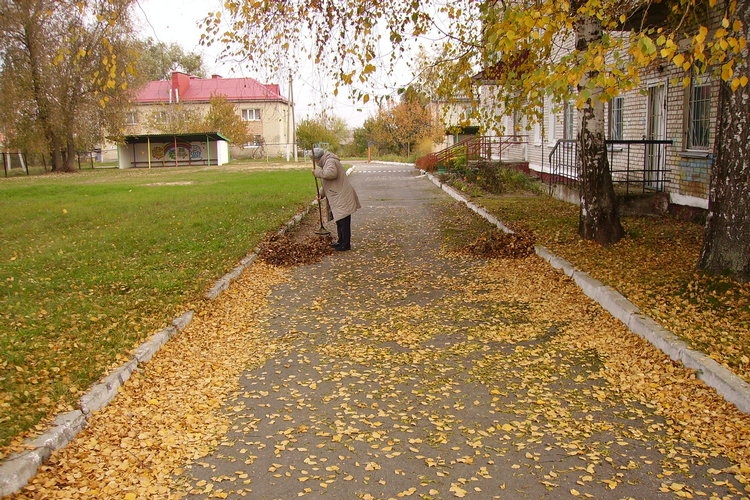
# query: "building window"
{"points": [[251, 115], [551, 125], [161, 116], [131, 118], [616, 119], [569, 124], [699, 109], [256, 141]]}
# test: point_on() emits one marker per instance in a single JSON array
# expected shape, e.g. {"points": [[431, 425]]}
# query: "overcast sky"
{"points": [[177, 21]]}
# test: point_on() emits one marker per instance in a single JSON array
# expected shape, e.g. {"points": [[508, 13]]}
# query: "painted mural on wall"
{"points": [[180, 151]]}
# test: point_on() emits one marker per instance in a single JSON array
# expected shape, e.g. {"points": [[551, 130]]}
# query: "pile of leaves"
{"points": [[286, 250], [499, 244]]}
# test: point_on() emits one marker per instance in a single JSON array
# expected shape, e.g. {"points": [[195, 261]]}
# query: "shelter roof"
{"points": [[190, 137]]}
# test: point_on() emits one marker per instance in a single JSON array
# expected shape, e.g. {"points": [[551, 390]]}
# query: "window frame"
{"points": [[250, 114], [617, 118], [701, 105], [131, 118], [569, 122], [256, 142]]}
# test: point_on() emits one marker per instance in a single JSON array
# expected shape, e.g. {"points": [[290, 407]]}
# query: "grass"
{"points": [[94, 262], [654, 266]]}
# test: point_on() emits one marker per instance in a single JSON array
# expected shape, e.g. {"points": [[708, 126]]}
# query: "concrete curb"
{"points": [[17, 469], [391, 163], [731, 387]]}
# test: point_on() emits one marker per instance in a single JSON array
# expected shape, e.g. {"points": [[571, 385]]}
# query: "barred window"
{"points": [[517, 124], [699, 109], [616, 125]]}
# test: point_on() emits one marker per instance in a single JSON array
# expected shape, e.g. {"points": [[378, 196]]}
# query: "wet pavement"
{"points": [[412, 372]]}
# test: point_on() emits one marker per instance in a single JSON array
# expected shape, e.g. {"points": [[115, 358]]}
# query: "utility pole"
{"points": [[291, 114]]}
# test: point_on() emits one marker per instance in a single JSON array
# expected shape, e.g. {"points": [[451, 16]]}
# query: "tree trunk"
{"points": [[31, 39], [726, 239], [599, 219], [70, 156], [56, 157]]}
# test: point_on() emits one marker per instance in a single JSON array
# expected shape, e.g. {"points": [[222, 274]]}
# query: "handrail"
{"points": [[625, 168], [477, 148]]}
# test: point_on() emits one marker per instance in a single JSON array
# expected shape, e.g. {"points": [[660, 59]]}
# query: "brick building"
{"points": [[662, 109]]}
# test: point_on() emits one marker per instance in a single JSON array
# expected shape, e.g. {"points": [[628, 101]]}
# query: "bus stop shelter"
{"points": [[173, 150]]}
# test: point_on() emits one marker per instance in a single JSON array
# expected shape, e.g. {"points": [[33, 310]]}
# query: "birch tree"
{"points": [[726, 244], [695, 44]]}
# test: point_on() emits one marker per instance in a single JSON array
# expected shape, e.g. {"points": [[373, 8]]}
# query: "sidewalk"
{"points": [[396, 370]]}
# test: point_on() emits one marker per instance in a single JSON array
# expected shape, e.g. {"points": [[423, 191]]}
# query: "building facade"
{"points": [[662, 109], [161, 106]]}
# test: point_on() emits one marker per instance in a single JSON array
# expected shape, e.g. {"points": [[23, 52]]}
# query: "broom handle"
{"points": [[317, 192]]}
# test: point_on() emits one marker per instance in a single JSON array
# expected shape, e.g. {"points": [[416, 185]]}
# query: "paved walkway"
{"points": [[413, 373], [398, 370]]}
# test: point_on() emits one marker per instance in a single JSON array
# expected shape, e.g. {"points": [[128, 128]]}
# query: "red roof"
{"points": [[185, 88]]}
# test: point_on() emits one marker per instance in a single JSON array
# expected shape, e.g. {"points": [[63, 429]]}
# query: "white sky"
{"points": [[177, 21]]}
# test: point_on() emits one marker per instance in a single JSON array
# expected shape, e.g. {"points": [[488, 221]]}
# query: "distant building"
{"points": [[456, 117], [161, 106]]}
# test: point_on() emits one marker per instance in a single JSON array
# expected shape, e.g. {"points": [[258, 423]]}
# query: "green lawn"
{"points": [[92, 263]]}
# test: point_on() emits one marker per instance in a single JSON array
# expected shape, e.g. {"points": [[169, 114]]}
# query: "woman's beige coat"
{"points": [[342, 198]]}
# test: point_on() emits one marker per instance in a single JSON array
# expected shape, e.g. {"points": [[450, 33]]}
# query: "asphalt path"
{"points": [[416, 373]]}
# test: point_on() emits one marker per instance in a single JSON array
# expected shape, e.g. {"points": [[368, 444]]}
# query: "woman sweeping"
{"points": [[342, 198]]}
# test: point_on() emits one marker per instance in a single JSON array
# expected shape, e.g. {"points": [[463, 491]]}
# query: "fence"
{"points": [[632, 163], [20, 162]]}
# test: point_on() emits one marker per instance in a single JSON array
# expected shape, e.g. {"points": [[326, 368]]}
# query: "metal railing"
{"points": [[473, 150], [631, 162]]}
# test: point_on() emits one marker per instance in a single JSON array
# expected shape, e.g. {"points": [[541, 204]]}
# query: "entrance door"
{"points": [[656, 129]]}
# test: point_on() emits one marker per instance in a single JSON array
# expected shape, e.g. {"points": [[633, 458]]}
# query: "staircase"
{"points": [[473, 150]]}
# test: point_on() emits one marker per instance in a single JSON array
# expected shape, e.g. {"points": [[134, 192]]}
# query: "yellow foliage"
{"points": [[700, 37], [738, 82], [727, 71]]}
